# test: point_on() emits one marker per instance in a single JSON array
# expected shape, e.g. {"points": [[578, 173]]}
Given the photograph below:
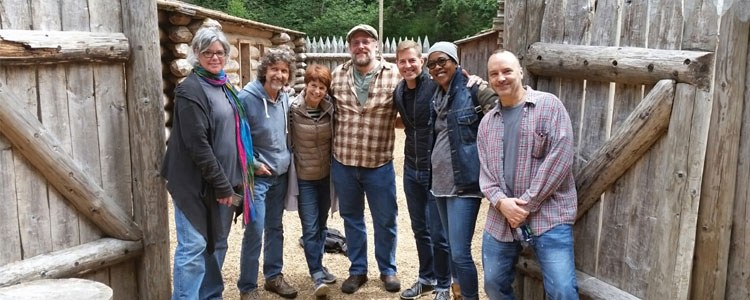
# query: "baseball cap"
{"points": [[364, 28]]}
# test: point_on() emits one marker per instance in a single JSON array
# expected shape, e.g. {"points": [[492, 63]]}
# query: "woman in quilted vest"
{"points": [[311, 132]]}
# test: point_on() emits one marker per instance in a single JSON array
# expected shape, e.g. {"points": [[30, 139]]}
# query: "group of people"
{"points": [[257, 152]]}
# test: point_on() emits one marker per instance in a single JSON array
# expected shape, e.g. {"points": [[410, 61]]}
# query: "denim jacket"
{"points": [[465, 110]]}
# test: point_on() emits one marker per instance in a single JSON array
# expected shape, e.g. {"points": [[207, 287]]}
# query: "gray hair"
{"points": [[203, 39], [273, 57]]}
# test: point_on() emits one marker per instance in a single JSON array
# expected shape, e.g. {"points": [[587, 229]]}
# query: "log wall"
{"points": [[673, 226], [249, 43]]}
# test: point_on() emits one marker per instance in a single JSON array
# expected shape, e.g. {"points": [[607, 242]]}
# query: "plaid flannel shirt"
{"points": [[364, 136], [544, 175]]}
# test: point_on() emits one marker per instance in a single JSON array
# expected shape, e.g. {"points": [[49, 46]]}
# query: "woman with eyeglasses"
{"points": [[206, 167], [455, 161]]}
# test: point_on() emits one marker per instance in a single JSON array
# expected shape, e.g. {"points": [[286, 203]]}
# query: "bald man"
{"points": [[526, 152]]}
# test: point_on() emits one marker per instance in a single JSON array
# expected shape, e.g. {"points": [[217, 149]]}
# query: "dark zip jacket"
{"points": [[418, 146]]}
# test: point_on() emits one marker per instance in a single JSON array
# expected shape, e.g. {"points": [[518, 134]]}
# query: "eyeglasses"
{"points": [[362, 42], [439, 62], [208, 54]]}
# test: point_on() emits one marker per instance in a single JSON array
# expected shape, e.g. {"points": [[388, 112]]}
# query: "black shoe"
{"points": [[353, 283], [391, 283], [417, 290]]}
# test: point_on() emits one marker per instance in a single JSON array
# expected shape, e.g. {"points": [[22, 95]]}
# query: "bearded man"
{"points": [[363, 156]]}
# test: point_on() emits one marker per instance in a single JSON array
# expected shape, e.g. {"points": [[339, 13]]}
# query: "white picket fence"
{"points": [[333, 51]]}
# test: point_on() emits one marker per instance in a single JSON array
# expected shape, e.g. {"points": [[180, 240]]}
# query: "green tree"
{"points": [[438, 19]]}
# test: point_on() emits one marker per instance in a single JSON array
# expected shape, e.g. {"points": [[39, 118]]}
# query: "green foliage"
{"points": [[438, 19]]}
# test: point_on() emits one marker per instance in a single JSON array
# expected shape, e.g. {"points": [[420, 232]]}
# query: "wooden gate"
{"points": [[655, 92], [81, 138]]}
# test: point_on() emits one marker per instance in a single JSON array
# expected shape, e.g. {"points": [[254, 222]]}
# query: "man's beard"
{"points": [[361, 62], [276, 85]]}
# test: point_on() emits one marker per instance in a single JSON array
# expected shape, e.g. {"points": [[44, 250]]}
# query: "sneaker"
{"points": [[417, 290], [329, 278], [353, 283], [456, 289], [251, 295], [391, 283], [321, 288], [279, 286], [443, 295]]}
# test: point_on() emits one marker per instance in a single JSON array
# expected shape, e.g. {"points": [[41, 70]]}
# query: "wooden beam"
{"points": [[629, 65], [645, 125], [33, 47], [44, 151], [587, 285], [146, 115], [71, 261]]}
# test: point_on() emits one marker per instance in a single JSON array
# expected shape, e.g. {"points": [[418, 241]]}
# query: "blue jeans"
{"points": [[432, 246], [459, 217], [192, 264], [268, 201], [379, 184], [214, 289], [313, 203], [554, 250]]}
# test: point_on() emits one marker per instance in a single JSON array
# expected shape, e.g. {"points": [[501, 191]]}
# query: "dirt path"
{"points": [[295, 267]]}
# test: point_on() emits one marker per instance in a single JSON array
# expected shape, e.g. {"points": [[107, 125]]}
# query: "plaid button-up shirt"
{"points": [[364, 135], [544, 165]]}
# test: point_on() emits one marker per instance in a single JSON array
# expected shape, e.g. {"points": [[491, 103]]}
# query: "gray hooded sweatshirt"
{"points": [[268, 126]]}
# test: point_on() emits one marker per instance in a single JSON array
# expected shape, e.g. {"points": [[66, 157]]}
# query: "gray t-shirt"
{"points": [[443, 184], [362, 84], [511, 122], [442, 168], [224, 142]]}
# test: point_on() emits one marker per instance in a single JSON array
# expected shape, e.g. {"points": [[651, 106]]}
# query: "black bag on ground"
{"points": [[335, 241]]}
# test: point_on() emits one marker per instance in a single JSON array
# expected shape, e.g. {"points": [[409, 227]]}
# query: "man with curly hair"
{"points": [[267, 111]]}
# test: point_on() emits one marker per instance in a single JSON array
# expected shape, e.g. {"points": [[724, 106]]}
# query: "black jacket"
{"points": [[418, 146], [195, 179]]}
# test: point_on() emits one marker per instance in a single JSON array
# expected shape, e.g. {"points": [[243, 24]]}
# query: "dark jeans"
{"points": [[432, 246], [379, 184], [459, 216], [313, 203]]}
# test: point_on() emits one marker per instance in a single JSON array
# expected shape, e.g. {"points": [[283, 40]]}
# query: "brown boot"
{"points": [[456, 291], [279, 286]]}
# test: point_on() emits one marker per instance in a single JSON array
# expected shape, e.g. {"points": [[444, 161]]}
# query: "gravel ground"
{"points": [[295, 267]]}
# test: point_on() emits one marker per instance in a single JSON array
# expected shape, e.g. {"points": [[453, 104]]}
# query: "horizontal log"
{"points": [[71, 261], [45, 152], [33, 47], [587, 285], [620, 64], [645, 125]]}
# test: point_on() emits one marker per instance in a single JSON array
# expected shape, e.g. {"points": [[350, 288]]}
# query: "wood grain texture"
{"points": [[738, 278], [589, 286], [143, 78], [33, 47], [709, 280], [114, 139], [44, 151], [53, 110], [643, 128], [71, 261], [629, 65]]}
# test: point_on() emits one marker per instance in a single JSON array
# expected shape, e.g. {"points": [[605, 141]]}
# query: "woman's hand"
{"points": [[225, 201]]}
